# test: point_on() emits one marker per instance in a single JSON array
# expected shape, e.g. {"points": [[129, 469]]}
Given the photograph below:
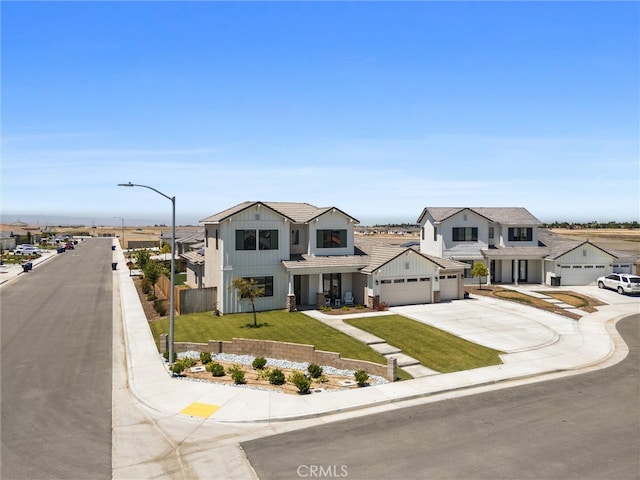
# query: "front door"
{"points": [[332, 285], [297, 289], [523, 270]]}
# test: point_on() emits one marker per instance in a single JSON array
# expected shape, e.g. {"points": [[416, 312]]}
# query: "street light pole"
{"points": [[122, 231], [173, 261]]}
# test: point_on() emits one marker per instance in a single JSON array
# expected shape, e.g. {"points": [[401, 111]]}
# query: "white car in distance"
{"points": [[26, 249]]}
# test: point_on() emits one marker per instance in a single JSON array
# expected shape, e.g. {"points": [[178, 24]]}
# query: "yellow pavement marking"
{"points": [[197, 409]]}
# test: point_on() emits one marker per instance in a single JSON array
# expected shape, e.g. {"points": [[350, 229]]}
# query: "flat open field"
{"points": [[624, 240]]}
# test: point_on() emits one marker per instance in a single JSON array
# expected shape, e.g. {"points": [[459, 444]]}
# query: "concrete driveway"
{"points": [[494, 323]]}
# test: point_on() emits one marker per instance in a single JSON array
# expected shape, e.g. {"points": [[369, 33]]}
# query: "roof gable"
{"points": [[295, 212], [560, 253], [501, 215]]}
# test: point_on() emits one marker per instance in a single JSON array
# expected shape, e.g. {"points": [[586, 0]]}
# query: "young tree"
{"points": [[142, 258], [247, 289], [479, 270], [152, 271]]}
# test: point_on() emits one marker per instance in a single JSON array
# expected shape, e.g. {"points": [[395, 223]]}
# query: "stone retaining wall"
{"points": [[294, 352]]}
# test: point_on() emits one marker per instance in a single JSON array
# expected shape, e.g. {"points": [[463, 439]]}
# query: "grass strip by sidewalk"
{"points": [[433, 348], [278, 325]]}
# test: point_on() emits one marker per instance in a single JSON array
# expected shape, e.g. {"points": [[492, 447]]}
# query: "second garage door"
{"points": [[449, 287], [405, 291]]}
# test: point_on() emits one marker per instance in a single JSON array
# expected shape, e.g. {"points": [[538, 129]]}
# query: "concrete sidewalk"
{"points": [[558, 345]]}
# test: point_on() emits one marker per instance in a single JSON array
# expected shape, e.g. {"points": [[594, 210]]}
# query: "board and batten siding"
{"points": [[331, 221]]}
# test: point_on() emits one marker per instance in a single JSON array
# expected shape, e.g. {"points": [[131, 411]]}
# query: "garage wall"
{"points": [[582, 265]]}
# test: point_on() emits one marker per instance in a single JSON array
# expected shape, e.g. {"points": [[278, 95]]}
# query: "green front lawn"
{"points": [[433, 348], [294, 327]]}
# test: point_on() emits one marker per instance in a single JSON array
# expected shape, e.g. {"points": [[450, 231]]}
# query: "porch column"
{"points": [[319, 292], [291, 298], [516, 274]]}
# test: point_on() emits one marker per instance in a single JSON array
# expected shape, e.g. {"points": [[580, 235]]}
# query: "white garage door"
{"points": [[401, 291], [580, 274], [449, 286]]}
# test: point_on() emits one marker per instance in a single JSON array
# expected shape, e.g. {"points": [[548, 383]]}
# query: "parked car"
{"points": [[621, 282], [69, 246], [26, 249]]}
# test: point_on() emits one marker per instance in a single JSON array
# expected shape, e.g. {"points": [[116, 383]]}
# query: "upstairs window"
{"points": [[465, 234], [295, 236], [264, 240], [268, 239], [520, 234], [245, 239], [331, 238], [491, 233]]}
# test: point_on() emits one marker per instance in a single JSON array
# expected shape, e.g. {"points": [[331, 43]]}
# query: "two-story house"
{"points": [[511, 244], [306, 255], [504, 239]]}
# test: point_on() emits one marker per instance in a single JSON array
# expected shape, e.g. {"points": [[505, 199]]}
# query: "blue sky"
{"points": [[380, 109]]}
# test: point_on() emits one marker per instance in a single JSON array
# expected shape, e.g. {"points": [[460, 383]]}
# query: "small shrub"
{"points": [[160, 307], [302, 383], [205, 357], [151, 297], [276, 377], [382, 306], [166, 356], [322, 379], [325, 308], [237, 374], [216, 369], [178, 367], [345, 308], [314, 370], [189, 362], [361, 377], [145, 287], [359, 307], [264, 373], [259, 363]]}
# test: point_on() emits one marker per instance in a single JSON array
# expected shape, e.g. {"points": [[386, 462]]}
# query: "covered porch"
{"points": [[515, 265], [325, 281]]}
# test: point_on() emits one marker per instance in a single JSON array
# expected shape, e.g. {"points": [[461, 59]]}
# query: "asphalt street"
{"points": [[584, 427], [57, 367]]}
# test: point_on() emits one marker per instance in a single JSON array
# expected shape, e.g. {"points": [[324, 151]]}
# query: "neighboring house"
{"points": [[189, 241], [305, 255], [195, 267], [510, 243], [17, 233], [7, 240]]}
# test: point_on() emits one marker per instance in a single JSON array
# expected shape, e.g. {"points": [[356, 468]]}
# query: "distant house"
{"points": [[510, 242], [307, 255]]}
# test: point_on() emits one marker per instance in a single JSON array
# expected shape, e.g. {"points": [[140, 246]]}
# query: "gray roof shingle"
{"points": [[501, 215], [297, 212]]}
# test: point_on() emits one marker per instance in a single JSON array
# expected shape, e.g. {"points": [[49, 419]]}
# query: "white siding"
{"points": [[465, 248], [427, 245], [330, 221], [582, 265]]}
